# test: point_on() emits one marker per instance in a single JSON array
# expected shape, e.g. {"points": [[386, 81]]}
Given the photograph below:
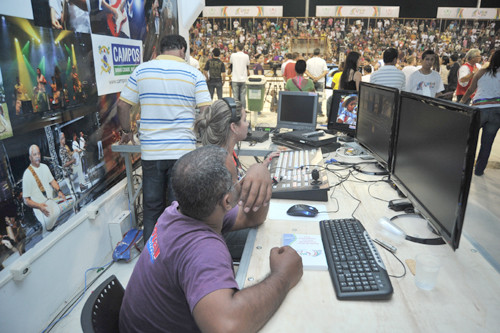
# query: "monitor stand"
{"points": [[418, 229]]}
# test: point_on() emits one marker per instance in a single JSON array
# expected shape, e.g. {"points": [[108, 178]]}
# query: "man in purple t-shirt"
{"points": [[184, 280]]}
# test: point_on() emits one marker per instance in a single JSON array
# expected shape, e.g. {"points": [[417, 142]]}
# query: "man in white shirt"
{"points": [[425, 81], [410, 68], [388, 75], [36, 193], [192, 60], [467, 71], [239, 69], [367, 73], [317, 69]]}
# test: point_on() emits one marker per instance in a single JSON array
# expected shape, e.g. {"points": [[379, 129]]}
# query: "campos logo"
{"points": [[104, 54]]}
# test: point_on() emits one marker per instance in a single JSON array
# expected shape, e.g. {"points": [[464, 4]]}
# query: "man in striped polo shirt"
{"points": [[388, 75], [168, 90]]}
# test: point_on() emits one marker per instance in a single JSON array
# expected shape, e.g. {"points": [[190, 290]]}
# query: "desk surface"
{"points": [[465, 298]]}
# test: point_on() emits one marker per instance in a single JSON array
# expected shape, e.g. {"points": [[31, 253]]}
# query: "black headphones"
{"points": [[232, 105]]}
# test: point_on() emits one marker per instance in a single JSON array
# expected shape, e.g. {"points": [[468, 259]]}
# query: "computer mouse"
{"points": [[302, 210]]}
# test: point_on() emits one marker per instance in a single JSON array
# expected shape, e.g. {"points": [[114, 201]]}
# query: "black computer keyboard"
{"points": [[355, 266]]}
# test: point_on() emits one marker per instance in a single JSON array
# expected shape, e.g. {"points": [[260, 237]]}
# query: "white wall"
{"points": [[57, 265]]}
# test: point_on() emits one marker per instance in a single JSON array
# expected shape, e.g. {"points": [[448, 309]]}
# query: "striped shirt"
{"points": [[168, 90], [389, 76]]}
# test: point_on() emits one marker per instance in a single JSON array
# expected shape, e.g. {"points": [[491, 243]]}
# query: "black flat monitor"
{"points": [[297, 110], [434, 158], [377, 108], [343, 112]]}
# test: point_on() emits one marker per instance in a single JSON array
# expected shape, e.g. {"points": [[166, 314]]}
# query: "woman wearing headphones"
{"points": [[220, 125]]}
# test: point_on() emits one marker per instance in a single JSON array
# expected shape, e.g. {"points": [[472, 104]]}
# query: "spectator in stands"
{"points": [[215, 72], [367, 73], [239, 70], [259, 65], [425, 81], [453, 73], [467, 71], [388, 75], [486, 84], [192, 60], [299, 83], [351, 77], [316, 70], [289, 72], [336, 76], [289, 58], [410, 68], [444, 71]]}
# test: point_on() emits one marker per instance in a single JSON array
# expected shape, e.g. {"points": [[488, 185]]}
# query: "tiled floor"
{"points": [[481, 227]]}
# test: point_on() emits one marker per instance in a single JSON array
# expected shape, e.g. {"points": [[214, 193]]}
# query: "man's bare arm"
{"points": [[124, 118], [247, 310], [33, 204]]}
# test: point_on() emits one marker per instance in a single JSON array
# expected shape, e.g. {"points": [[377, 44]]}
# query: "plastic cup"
{"points": [[427, 270]]}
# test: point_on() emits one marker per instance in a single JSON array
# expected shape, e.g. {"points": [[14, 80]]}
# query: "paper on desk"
{"points": [[277, 211]]}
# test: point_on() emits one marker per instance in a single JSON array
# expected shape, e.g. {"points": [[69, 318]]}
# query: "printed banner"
{"points": [[468, 13], [243, 11], [115, 59], [357, 11]]}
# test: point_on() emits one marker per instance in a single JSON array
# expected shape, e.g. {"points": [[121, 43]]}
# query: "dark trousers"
{"points": [[156, 191], [490, 123], [211, 89]]}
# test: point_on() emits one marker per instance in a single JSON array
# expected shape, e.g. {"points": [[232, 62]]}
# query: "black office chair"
{"points": [[102, 308]]}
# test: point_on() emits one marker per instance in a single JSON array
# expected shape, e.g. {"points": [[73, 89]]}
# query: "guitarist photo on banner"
{"points": [[112, 17], [42, 192]]}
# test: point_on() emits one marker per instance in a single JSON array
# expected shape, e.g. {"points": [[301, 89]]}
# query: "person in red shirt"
{"points": [[289, 72], [467, 71]]}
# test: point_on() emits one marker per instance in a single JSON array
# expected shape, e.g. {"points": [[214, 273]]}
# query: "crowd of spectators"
{"points": [[274, 37]]}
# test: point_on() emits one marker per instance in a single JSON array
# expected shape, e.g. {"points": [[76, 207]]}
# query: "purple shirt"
{"points": [[258, 67], [183, 261]]}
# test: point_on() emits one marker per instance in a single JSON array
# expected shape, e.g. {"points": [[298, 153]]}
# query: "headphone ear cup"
{"points": [[232, 106]]}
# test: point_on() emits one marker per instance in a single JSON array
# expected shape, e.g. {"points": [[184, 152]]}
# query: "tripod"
{"points": [[273, 89]]}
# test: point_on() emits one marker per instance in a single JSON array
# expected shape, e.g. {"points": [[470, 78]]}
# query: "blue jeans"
{"points": [[156, 191], [239, 92], [320, 87], [211, 89], [490, 123]]}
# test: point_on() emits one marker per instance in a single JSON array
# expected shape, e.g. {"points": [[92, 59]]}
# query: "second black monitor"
{"points": [[343, 112], [377, 108]]}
